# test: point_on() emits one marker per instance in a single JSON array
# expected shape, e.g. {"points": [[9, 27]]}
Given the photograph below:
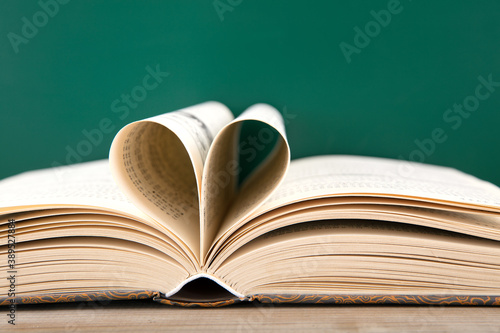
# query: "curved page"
{"points": [[158, 164], [262, 157], [328, 176], [83, 185]]}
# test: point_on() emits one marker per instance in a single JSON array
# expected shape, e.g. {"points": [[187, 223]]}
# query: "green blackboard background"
{"points": [[286, 53]]}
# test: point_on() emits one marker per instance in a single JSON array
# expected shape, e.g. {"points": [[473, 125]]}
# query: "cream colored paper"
{"points": [[223, 206], [158, 163]]}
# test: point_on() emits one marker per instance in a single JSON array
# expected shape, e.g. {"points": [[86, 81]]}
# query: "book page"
{"points": [[74, 189], [362, 257], [79, 264], [71, 224], [325, 229], [355, 175], [226, 197], [480, 225], [158, 164], [87, 184], [349, 180]]}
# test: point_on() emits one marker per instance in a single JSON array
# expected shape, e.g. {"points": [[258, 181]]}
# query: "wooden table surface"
{"points": [[147, 315]]}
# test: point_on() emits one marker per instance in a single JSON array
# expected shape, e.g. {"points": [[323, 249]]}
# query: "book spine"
{"points": [[380, 299], [111, 295], [91, 296], [215, 304]]}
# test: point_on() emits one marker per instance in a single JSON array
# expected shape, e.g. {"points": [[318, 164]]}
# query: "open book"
{"points": [[195, 208]]}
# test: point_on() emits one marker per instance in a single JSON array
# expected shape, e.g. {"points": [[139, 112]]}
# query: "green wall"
{"points": [[341, 91]]}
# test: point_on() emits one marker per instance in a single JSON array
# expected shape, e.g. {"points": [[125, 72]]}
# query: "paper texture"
{"points": [[344, 175], [224, 205], [158, 164]]}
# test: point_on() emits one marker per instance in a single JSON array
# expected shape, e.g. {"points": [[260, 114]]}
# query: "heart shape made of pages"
{"points": [[194, 171]]}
